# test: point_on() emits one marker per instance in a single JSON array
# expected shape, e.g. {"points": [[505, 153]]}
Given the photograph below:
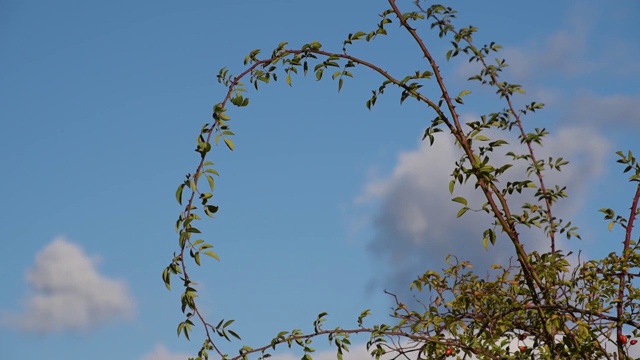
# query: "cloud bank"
{"points": [[68, 293], [415, 225]]}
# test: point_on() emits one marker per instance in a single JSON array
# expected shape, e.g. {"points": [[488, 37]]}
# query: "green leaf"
{"points": [[358, 35], [212, 171], [370, 36], [166, 277], [179, 223], [199, 241], [212, 209], [211, 182], [460, 200], [289, 79], [229, 143], [179, 193], [212, 254], [363, 314], [462, 211], [488, 236], [237, 100]]}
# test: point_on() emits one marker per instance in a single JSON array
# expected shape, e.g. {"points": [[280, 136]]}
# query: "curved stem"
{"points": [[623, 274]]}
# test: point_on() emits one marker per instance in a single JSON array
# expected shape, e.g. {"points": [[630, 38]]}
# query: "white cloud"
{"points": [[68, 293], [416, 227], [160, 352]]}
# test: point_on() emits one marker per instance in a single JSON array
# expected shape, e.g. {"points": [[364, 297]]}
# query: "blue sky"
{"points": [[323, 204]]}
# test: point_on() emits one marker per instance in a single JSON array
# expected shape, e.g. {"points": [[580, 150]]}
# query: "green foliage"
{"points": [[584, 311]]}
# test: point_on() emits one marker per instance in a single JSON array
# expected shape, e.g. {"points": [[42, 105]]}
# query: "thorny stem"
{"points": [[623, 274], [488, 188], [456, 130], [528, 143], [534, 162], [523, 134], [189, 206]]}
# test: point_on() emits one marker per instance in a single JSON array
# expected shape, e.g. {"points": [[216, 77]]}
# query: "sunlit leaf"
{"points": [[229, 143]]}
